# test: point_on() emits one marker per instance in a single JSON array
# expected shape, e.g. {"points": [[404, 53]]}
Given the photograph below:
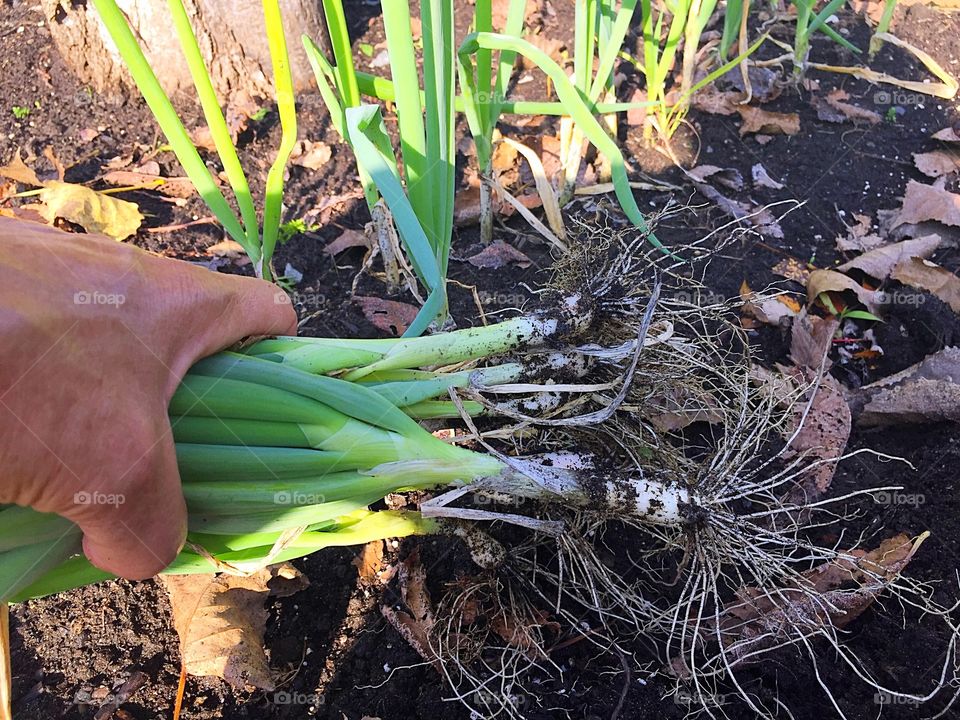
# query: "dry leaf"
{"points": [[926, 392], [880, 262], [762, 219], [349, 238], [220, 621], [859, 238], [414, 619], [762, 178], [825, 428], [310, 155], [925, 202], [370, 563], [180, 187], [389, 316], [948, 134], [637, 116], [497, 254], [832, 108], [923, 274], [728, 177], [937, 163], [93, 211], [18, 171], [757, 120], [833, 593], [773, 310], [792, 269], [227, 249], [821, 281]]}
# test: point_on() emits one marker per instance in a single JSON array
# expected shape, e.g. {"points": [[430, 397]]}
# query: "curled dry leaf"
{"points": [[923, 274], [761, 218], [220, 621], [880, 262], [757, 120], [498, 254], [311, 155], [948, 134], [859, 236], [925, 202], [93, 211], [389, 316], [771, 310], [923, 393], [832, 594], [761, 178], [349, 239], [728, 177], [821, 281], [937, 163]]}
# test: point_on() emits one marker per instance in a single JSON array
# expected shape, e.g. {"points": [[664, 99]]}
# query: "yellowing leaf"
{"points": [[93, 211]]}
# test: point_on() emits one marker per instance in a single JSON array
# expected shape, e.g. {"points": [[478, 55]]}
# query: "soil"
{"points": [[334, 652]]}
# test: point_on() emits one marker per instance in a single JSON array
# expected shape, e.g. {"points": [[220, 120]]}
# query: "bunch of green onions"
{"points": [[283, 448]]}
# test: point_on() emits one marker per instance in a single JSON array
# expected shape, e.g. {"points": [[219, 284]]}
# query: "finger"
{"points": [[137, 533], [261, 308]]}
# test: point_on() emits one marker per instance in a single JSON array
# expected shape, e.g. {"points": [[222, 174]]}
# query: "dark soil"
{"points": [[330, 645]]}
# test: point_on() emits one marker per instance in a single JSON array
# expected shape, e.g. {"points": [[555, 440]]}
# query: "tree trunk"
{"points": [[231, 34]]}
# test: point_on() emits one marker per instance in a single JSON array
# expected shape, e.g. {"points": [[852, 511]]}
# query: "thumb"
{"points": [[139, 530]]}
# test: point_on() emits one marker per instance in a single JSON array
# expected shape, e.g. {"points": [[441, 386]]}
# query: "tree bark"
{"points": [[231, 35]]}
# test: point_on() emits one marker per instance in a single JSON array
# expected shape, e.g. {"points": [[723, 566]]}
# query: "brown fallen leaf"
{"points": [[220, 621], [832, 594], [349, 238], [923, 274], [771, 310], [810, 340], [880, 262], [389, 316], [95, 212], [226, 249], [498, 254], [414, 618], [821, 281], [948, 134], [311, 155], [760, 218], [927, 392], [728, 177], [937, 163], [757, 120], [832, 108], [925, 202], [18, 171], [860, 237], [180, 187]]}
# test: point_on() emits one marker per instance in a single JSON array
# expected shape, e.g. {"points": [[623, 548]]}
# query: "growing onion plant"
{"points": [[257, 241]]}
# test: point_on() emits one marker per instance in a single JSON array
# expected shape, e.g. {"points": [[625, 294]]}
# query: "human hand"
{"points": [[96, 336]]}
